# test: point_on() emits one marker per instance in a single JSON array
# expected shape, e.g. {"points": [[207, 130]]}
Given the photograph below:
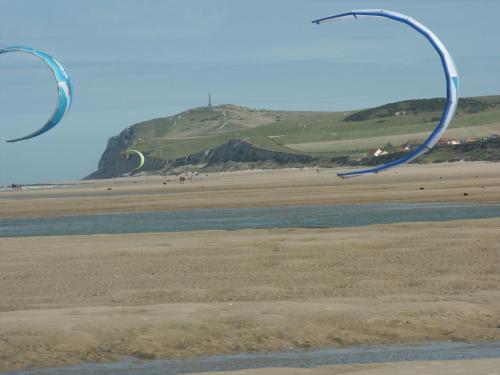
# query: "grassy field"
{"points": [[397, 139], [312, 133]]}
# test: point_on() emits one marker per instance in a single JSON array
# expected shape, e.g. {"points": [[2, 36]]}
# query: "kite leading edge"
{"points": [[64, 88], [451, 84]]}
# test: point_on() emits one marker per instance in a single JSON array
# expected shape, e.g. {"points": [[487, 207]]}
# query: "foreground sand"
{"points": [[473, 367], [65, 300], [440, 182]]}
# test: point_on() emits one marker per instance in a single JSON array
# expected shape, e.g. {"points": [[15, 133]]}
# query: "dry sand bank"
{"points": [[64, 300], [441, 183], [471, 367]]}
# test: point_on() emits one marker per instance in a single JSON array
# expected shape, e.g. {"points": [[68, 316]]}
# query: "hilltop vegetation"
{"points": [[205, 121], [318, 135], [465, 105]]}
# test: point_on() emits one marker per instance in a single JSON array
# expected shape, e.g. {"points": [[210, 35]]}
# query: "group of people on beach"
{"points": [[17, 187], [188, 177]]}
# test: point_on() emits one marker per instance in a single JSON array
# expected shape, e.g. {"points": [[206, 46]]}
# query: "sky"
{"points": [[133, 60]]}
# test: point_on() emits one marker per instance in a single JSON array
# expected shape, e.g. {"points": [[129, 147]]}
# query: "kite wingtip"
{"points": [[17, 139]]}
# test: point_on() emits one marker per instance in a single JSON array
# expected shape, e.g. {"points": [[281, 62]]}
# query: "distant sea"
{"points": [[35, 187]]}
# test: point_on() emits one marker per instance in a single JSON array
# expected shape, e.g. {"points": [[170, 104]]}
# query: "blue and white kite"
{"points": [[451, 84], [64, 88]]}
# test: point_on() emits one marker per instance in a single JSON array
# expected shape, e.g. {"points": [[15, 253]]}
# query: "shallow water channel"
{"points": [[294, 358], [326, 216]]}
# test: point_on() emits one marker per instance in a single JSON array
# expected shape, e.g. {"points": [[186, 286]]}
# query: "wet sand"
{"points": [[471, 367], [446, 182], [68, 300]]}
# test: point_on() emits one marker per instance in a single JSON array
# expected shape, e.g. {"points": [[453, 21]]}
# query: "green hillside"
{"points": [[313, 133]]}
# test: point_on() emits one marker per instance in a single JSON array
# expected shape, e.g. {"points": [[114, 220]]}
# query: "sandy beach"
{"points": [[444, 182], [68, 300], [74, 299]]}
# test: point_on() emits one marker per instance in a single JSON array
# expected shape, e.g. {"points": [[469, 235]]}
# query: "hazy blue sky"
{"points": [[132, 60]]}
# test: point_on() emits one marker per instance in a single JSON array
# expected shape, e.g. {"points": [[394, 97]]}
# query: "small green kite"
{"points": [[141, 156]]}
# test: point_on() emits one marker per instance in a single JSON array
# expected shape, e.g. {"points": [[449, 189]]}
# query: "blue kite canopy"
{"points": [[64, 88], [451, 84]]}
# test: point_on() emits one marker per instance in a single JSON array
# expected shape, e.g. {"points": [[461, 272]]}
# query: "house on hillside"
{"points": [[449, 141], [379, 152]]}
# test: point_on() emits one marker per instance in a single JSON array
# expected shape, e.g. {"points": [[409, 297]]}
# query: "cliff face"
{"points": [[239, 151], [113, 163]]}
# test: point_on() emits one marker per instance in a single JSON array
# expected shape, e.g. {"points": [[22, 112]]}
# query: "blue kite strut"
{"points": [[451, 84]]}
